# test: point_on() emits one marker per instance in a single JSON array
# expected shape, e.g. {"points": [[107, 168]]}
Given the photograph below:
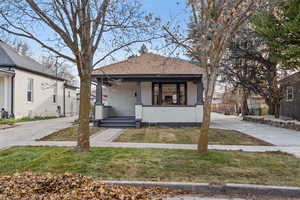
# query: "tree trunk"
{"points": [[83, 141], [203, 139], [244, 104], [271, 106], [277, 111]]}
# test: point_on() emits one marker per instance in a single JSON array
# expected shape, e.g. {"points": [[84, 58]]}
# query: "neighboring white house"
{"points": [[28, 89], [149, 90]]}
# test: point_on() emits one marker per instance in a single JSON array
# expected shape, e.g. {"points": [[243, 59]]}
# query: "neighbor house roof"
{"points": [[292, 78], [10, 58], [150, 64]]}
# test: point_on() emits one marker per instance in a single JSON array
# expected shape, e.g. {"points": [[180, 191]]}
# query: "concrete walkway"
{"points": [[27, 132], [108, 135], [270, 134]]}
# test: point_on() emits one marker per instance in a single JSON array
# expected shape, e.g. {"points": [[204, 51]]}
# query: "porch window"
{"points": [[30, 90], [289, 93], [169, 94]]}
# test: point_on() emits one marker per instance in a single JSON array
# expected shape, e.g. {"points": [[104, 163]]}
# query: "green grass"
{"points": [[156, 165], [68, 134], [25, 119], [187, 135]]}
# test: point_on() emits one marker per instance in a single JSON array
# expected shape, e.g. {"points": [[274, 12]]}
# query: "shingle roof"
{"points": [[292, 78], [149, 64], [10, 58]]}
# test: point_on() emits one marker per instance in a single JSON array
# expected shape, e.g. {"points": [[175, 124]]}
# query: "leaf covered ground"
{"points": [[68, 186]]}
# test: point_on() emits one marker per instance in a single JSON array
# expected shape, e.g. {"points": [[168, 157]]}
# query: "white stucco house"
{"points": [[27, 89], [149, 90]]}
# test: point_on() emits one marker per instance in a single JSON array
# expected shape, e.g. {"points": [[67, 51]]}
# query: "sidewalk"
{"points": [[270, 134], [29, 131]]}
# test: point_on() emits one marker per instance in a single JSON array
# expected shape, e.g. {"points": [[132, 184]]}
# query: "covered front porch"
{"points": [[137, 100], [6, 93]]}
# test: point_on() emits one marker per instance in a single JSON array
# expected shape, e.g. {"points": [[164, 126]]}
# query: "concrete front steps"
{"points": [[118, 122]]}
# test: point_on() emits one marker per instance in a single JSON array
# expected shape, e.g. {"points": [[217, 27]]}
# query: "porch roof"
{"points": [[148, 66]]}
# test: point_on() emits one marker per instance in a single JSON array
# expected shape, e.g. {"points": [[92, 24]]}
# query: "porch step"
{"points": [[118, 122], [116, 125]]}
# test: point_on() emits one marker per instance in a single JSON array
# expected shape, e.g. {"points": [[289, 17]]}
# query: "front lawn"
{"points": [[156, 165], [187, 135], [68, 134]]}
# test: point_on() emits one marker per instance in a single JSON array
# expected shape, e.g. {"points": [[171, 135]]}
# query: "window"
{"points": [[169, 94], [289, 93], [54, 93], [69, 94], [30, 90]]}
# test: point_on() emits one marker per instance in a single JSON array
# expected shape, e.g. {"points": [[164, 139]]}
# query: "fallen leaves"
{"points": [[69, 186]]}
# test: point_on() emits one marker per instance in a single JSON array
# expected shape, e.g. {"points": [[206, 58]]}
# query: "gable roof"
{"points": [[10, 58], [151, 64], [292, 78]]}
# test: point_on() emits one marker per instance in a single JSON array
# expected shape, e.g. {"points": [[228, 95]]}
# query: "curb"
{"points": [[226, 189]]}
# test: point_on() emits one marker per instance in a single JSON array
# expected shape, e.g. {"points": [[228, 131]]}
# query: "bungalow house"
{"points": [[149, 90], [28, 89], [290, 103]]}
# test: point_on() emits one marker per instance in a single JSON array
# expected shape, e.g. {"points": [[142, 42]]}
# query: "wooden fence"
{"points": [[223, 108]]}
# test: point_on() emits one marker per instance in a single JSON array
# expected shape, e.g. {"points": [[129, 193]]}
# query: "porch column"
{"points": [[99, 107], [200, 92], [139, 93], [99, 93], [138, 105]]}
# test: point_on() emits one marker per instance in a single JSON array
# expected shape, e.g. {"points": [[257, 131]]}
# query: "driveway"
{"points": [[30, 131], [273, 135]]}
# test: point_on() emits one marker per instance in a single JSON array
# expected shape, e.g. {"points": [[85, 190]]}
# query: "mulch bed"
{"points": [[68, 186]]}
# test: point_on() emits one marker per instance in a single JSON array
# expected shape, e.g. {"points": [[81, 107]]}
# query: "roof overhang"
{"points": [[148, 77], [32, 71], [6, 73]]}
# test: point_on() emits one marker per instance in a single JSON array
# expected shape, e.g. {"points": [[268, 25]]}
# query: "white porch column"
{"points": [[99, 110], [138, 115], [99, 107], [6, 92]]}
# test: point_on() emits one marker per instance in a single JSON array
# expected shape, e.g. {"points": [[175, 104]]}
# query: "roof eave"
{"points": [[147, 75]]}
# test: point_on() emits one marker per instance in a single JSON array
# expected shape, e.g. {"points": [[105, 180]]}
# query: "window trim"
{"points": [[287, 93], [30, 90], [177, 92]]}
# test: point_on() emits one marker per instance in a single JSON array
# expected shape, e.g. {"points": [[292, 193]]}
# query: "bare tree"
{"points": [[60, 68], [84, 32], [213, 24], [22, 48]]}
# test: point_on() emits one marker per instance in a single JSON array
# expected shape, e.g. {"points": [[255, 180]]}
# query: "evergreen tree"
{"points": [[143, 49], [279, 25]]}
